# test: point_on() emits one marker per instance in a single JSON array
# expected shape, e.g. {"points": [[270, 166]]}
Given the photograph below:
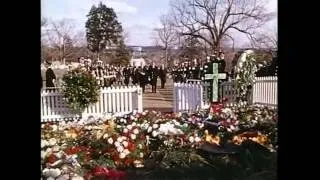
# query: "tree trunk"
{"points": [[166, 57]]}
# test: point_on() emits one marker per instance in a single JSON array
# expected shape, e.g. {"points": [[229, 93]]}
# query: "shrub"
{"points": [[80, 89]]}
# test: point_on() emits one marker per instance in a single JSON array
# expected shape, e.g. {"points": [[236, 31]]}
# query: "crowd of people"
{"points": [[195, 71], [109, 75]]}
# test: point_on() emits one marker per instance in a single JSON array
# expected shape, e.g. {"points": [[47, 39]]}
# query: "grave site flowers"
{"points": [[113, 147]]}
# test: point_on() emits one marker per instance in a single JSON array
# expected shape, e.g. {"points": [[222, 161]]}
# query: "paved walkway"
{"points": [[162, 100]]}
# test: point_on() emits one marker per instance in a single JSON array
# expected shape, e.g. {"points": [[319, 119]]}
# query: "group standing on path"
{"points": [[109, 75]]}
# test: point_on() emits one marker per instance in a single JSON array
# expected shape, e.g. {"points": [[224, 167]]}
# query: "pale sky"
{"points": [[138, 17]]}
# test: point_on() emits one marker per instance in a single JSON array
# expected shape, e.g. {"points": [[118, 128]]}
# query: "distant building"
{"points": [[137, 62]]}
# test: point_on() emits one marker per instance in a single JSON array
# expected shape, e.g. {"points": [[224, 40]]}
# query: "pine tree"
{"points": [[102, 28]]}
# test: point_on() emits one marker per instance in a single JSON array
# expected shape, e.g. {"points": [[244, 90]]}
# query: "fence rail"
{"points": [[111, 100]]}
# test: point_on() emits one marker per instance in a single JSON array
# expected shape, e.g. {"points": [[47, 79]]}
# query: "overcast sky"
{"points": [[138, 17]]}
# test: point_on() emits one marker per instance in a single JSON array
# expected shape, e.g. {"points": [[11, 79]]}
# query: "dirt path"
{"points": [[162, 100]]}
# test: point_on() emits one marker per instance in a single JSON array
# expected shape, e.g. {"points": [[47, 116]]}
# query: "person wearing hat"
{"points": [[50, 76]]}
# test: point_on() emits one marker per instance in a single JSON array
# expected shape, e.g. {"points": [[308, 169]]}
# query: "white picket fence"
{"points": [[265, 91], [111, 100], [189, 96]]}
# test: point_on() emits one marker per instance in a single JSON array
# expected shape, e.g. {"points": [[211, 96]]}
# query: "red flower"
{"points": [[52, 158], [142, 137], [128, 161], [131, 146], [100, 171]]}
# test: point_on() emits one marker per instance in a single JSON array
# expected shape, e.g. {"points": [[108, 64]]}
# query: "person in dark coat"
{"points": [[142, 78], [134, 75], [154, 78], [162, 75], [126, 74], [50, 76]]}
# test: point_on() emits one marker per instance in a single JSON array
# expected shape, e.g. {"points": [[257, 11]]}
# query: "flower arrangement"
{"points": [[246, 75], [109, 145], [80, 89]]}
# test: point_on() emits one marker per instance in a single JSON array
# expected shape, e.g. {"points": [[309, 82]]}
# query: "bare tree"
{"points": [[166, 35], [213, 20], [61, 35], [266, 39]]}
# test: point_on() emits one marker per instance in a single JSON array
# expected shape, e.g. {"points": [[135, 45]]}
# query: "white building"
{"points": [[137, 62]]}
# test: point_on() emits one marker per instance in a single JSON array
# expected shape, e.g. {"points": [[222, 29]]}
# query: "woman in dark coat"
{"points": [[50, 76]]}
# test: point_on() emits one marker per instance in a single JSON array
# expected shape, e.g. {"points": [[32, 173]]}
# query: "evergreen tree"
{"points": [[102, 28], [122, 54]]}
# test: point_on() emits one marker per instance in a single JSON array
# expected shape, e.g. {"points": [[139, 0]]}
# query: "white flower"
{"points": [[117, 144], [136, 131], [140, 146], [118, 126], [229, 130], [133, 136], [155, 126], [125, 130], [197, 139], [149, 129], [125, 143], [119, 139], [201, 125], [110, 140], [144, 113], [59, 154], [51, 172], [44, 143], [52, 142], [77, 177], [63, 177], [129, 127], [122, 120], [120, 149], [191, 139], [42, 126], [54, 127], [176, 123], [154, 133], [232, 127], [126, 151], [134, 124], [105, 136], [43, 154], [48, 150], [55, 148], [122, 155]]}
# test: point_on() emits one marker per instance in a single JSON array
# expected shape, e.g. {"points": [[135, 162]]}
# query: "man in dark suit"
{"points": [[142, 77], [50, 76], [154, 78], [126, 74], [162, 75]]}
